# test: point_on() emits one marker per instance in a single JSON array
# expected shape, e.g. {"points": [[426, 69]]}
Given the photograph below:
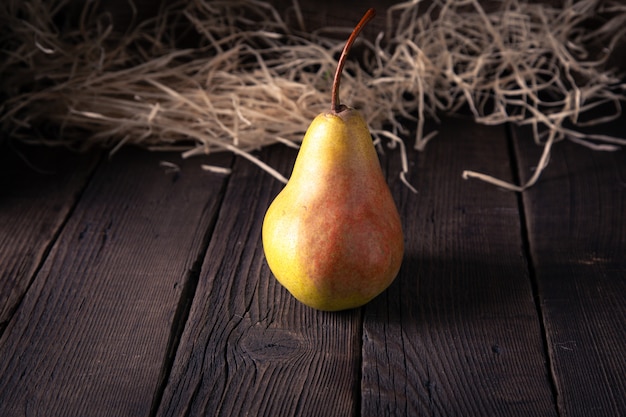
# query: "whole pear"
{"points": [[333, 236]]}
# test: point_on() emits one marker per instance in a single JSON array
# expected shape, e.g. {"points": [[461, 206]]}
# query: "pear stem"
{"points": [[335, 105]]}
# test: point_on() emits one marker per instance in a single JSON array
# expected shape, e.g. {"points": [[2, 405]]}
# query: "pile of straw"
{"points": [[207, 76]]}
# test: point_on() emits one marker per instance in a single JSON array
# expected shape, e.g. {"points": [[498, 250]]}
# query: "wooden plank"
{"points": [[94, 329], [577, 232], [457, 334], [249, 348], [38, 188]]}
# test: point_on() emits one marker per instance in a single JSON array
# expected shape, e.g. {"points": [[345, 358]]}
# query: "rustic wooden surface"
{"points": [[128, 290], [458, 333], [576, 234]]}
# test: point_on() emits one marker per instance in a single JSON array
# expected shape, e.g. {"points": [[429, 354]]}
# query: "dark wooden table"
{"points": [[128, 290]]}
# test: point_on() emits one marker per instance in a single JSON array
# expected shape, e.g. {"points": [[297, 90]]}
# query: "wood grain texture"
{"points": [[457, 334], [249, 348], [38, 188], [577, 233], [91, 335]]}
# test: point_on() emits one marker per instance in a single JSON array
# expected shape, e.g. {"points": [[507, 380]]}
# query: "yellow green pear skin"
{"points": [[333, 236]]}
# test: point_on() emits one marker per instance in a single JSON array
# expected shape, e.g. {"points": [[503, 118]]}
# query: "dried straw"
{"points": [[525, 64], [249, 79]]}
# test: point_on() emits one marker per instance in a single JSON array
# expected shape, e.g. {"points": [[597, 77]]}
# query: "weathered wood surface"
{"points": [[149, 294], [92, 334], [457, 333], [577, 237], [36, 195]]}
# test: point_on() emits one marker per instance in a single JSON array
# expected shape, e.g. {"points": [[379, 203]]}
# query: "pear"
{"points": [[333, 236]]}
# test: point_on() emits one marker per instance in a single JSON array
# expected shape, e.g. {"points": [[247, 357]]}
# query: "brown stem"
{"points": [[335, 105]]}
